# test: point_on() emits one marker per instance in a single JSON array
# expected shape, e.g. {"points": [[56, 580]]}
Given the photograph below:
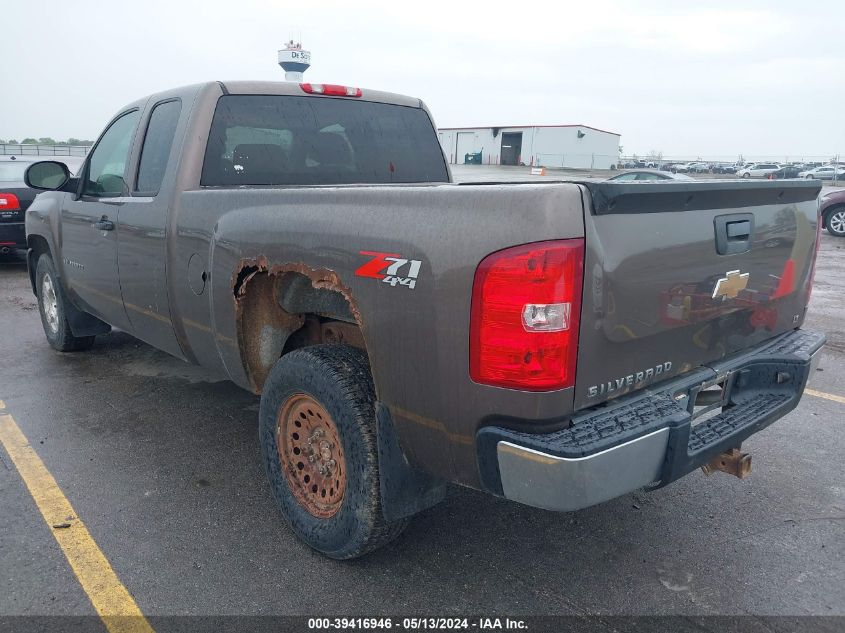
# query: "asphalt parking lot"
{"points": [[161, 462]]}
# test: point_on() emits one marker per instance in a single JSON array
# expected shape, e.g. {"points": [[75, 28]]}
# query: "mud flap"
{"points": [[405, 490], [83, 324]]}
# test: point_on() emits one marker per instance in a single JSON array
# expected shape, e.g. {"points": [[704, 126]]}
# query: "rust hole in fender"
{"points": [[283, 304]]}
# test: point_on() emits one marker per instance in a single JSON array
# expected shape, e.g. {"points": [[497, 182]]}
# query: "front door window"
{"points": [[108, 160]]}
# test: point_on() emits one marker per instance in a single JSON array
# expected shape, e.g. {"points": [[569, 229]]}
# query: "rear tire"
{"points": [[834, 221], [52, 307], [317, 430]]}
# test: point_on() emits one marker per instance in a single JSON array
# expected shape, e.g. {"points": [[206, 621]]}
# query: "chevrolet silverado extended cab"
{"points": [[558, 344]]}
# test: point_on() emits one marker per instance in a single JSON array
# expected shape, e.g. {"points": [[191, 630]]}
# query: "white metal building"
{"points": [[579, 146]]}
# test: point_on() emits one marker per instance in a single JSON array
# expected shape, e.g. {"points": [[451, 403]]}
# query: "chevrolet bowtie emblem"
{"points": [[729, 286]]}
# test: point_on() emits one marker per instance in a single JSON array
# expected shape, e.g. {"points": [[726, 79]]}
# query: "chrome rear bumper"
{"points": [[565, 484], [649, 438]]}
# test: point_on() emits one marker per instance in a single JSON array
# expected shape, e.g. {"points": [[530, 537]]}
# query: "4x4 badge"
{"points": [[387, 266], [729, 286]]}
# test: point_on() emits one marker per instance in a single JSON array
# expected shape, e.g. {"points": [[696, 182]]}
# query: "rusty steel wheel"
{"points": [[319, 444], [311, 455]]}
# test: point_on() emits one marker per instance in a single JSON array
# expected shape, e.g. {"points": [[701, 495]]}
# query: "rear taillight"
{"points": [[526, 304], [332, 90], [9, 202]]}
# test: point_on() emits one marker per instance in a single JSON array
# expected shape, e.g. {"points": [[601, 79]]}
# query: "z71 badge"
{"points": [[389, 268]]}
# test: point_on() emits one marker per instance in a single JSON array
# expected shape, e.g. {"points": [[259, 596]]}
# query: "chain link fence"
{"points": [[17, 149], [781, 159], [575, 161]]}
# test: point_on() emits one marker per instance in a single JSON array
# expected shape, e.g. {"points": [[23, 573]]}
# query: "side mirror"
{"points": [[47, 175]]}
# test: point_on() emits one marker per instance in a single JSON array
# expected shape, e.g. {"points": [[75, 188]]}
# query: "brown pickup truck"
{"points": [[557, 344]]}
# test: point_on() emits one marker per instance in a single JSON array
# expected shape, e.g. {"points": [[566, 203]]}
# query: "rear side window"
{"points": [[289, 140], [157, 144]]}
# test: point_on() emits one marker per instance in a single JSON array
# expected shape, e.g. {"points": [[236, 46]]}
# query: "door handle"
{"points": [[738, 230], [734, 233], [104, 224]]}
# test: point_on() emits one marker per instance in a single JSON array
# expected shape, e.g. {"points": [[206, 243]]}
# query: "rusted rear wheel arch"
{"points": [[281, 307]]}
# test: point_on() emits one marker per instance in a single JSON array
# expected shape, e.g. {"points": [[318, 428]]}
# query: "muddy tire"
{"points": [[52, 307], [317, 430]]}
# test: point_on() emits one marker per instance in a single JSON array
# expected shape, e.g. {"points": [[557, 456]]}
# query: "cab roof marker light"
{"points": [[331, 90]]}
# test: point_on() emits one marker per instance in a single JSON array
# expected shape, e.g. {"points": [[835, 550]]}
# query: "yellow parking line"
{"points": [[113, 603], [826, 396]]}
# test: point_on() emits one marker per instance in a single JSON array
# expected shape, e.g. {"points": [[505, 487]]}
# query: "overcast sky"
{"points": [[764, 78]]}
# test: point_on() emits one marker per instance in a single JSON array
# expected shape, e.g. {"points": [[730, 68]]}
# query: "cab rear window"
{"points": [[292, 140]]}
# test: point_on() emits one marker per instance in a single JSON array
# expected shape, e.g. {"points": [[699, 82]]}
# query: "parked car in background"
{"points": [[832, 211], [680, 168], [15, 196], [698, 168], [647, 174], [825, 172], [633, 164], [721, 168], [758, 170], [787, 171]]}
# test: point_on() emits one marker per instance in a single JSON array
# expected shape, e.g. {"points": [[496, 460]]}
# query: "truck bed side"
{"points": [[417, 338]]}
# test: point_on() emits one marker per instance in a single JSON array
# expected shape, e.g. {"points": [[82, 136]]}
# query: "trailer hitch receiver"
{"points": [[734, 462]]}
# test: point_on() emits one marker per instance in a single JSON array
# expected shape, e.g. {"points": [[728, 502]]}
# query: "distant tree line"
{"points": [[46, 140]]}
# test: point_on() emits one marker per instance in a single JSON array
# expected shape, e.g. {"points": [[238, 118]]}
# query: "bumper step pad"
{"points": [[603, 429], [726, 424]]}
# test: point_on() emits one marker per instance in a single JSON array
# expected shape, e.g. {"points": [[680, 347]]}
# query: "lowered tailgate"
{"points": [[679, 275]]}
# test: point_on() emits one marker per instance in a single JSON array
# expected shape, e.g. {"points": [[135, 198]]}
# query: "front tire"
{"points": [[52, 306], [317, 430], [834, 222]]}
